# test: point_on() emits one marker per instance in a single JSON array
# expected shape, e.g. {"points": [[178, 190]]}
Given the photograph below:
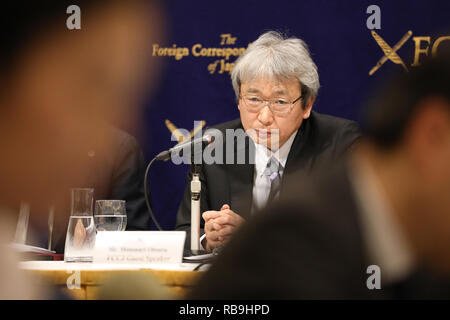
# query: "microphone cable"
{"points": [[148, 195]]}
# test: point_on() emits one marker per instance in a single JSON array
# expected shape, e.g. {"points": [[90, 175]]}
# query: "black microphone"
{"points": [[165, 155], [188, 145]]}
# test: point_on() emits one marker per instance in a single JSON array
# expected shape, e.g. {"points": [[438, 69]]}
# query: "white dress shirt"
{"points": [[384, 237]]}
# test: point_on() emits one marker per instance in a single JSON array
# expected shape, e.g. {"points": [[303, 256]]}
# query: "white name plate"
{"points": [[139, 247]]}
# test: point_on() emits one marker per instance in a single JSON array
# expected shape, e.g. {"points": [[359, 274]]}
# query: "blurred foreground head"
{"points": [[408, 131], [60, 89]]}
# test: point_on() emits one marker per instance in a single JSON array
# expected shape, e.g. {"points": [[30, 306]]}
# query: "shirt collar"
{"points": [[262, 154], [384, 237]]}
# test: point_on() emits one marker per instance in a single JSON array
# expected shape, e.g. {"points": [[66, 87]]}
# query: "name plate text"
{"points": [[140, 247]]}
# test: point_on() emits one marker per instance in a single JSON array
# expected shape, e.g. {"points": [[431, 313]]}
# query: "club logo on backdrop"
{"points": [[182, 135], [219, 56], [423, 47], [389, 53], [422, 44]]}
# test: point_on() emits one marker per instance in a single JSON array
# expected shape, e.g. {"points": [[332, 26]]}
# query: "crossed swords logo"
{"points": [[179, 135], [389, 53]]}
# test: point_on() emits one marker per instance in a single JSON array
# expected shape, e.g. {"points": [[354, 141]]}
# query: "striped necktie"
{"points": [[273, 172]]}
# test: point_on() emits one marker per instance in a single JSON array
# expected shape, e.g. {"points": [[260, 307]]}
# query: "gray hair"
{"points": [[276, 56]]}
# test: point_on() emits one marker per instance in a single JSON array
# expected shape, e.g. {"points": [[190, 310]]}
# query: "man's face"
{"points": [[267, 126]]}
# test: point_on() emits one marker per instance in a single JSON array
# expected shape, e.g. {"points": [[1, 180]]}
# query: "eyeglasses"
{"points": [[278, 106]]}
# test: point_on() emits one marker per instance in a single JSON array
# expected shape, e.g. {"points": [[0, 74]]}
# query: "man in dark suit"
{"points": [[115, 171], [114, 166], [372, 226], [275, 82]]}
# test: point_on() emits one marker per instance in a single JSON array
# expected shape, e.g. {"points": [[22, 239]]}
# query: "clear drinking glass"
{"points": [[110, 215], [80, 239]]}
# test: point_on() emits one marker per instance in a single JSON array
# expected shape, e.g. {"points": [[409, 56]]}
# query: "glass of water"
{"points": [[80, 238], [110, 215]]}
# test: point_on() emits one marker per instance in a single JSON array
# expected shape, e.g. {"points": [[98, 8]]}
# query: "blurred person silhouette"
{"points": [[60, 92], [373, 226]]}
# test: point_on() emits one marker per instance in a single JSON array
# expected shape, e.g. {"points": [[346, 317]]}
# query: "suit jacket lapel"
{"points": [[240, 178], [299, 158], [299, 155]]}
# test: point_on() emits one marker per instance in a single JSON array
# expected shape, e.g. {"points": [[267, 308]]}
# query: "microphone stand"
{"points": [[195, 193], [196, 188], [148, 196]]}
